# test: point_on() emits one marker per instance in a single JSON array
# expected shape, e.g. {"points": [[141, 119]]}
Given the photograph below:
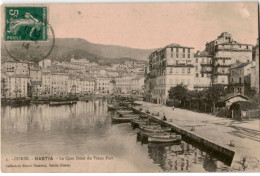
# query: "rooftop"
{"points": [[202, 54], [240, 65], [175, 45]]}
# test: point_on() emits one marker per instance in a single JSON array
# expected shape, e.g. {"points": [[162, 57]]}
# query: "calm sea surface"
{"points": [[85, 128]]}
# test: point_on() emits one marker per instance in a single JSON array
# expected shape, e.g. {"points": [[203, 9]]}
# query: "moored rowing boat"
{"points": [[165, 139], [154, 129], [56, 103]]}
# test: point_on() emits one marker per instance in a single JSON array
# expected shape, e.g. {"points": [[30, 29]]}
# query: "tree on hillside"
{"points": [[179, 92]]}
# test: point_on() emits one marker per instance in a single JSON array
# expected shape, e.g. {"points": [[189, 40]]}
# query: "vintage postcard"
{"points": [[130, 88]]}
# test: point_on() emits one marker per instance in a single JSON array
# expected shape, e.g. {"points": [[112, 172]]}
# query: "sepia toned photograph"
{"points": [[165, 87]]}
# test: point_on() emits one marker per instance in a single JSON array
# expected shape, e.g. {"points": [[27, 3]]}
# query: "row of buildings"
{"points": [[28, 79], [224, 62]]}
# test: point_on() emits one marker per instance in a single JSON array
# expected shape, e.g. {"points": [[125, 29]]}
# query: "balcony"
{"points": [[206, 71], [220, 73], [237, 84], [222, 65], [206, 64], [180, 65]]}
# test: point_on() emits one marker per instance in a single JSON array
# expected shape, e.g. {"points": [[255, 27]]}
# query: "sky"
{"points": [[154, 25]]}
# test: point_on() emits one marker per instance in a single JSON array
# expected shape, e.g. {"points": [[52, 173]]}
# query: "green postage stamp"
{"points": [[26, 23]]}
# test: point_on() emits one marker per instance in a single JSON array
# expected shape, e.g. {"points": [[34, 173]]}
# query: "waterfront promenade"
{"points": [[245, 135]]}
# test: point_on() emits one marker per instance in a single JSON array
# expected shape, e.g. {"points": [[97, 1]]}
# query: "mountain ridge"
{"points": [[66, 48]]}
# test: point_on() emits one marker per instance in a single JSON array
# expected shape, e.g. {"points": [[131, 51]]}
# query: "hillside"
{"points": [[65, 48], [105, 51]]}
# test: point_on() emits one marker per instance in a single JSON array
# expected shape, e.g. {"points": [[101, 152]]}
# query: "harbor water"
{"points": [[85, 128]]}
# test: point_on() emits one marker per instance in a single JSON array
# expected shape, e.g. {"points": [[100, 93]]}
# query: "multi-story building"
{"points": [[70, 65], [17, 86], [168, 67], [13, 67], [87, 85], [112, 73], [82, 61], [240, 78], [123, 84], [46, 81], [255, 69], [59, 81], [137, 85], [226, 51], [4, 82], [103, 85], [35, 73], [203, 70]]}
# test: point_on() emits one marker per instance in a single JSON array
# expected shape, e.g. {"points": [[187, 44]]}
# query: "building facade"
{"points": [[17, 86], [168, 67], [203, 70], [226, 51], [103, 85], [240, 78], [255, 69]]}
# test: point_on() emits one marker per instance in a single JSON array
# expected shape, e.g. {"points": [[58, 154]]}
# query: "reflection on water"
{"points": [[85, 128]]}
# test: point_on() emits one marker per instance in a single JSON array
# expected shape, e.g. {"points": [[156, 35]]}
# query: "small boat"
{"points": [[165, 139], [130, 114], [154, 129], [57, 103], [122, 119], [124, 111], [144, 116], [38, 102], [111, 108], [138, 122]]}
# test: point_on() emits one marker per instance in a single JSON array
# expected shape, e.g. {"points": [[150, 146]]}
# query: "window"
{"points": [[196, 68], [202, 75], [197, 75], [170, 70], [183, 70], [171, 55], [202, 60], [188, 70], [183, 53], [171, 49], [177, 52], [196, 60]]}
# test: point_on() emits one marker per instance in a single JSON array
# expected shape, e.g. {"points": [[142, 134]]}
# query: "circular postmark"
{"points": [[33, 50]]}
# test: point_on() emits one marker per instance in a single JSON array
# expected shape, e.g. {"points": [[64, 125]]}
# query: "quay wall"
{"points": [[221, 150]]}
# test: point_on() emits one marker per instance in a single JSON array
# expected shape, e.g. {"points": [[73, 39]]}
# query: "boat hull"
{"points": [[121, 119], [175, 139], [57, 103], [154, 129]]}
